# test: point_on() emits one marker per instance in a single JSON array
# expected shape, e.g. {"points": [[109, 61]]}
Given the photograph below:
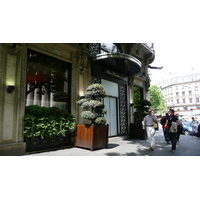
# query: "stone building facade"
{"points": [[182, 92], [117, 66]]}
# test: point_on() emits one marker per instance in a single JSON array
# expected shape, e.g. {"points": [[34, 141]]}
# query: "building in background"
{"points": [[58, 75], [182, 93]]}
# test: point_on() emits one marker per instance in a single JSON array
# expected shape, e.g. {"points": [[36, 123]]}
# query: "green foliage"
{"points": [[93, 109], [137, 95], [58, 122], [141, 109], [37, 111], [95, 90], [157, 100], [100, 120]]}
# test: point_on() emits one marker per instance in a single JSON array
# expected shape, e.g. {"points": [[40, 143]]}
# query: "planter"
{"points": [[91, 136], [38, 144], [137, 132]]}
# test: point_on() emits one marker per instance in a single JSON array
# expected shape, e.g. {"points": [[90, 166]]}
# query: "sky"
{"points": [[176, 59]]}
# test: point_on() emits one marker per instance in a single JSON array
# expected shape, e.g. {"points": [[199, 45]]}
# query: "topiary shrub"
{"points": [[93, 109], [141, 108]]}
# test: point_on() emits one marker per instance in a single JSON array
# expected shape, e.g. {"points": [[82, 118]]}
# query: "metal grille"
{"points": [[95, 80], [95, 49], [122, 109]]}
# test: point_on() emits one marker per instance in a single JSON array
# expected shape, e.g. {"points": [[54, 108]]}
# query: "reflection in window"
{"points": [[47, 81], [109, 48]]}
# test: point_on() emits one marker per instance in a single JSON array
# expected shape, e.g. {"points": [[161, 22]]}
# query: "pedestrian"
{"points": [[194, 125], [165, 129], [172, 133], [148, 122], [179, 128]]}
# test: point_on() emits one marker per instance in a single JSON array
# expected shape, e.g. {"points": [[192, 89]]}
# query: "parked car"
{"points": [[187, 128]]}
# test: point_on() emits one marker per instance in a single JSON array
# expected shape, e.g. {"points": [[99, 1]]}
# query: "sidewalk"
{"points": [[123, 146]]}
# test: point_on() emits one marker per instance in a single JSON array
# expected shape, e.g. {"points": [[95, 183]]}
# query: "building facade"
{"points": [[182, 92], [58, 74]]}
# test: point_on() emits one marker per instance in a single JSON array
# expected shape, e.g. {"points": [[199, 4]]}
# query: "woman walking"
{"points": [[172, 133]]}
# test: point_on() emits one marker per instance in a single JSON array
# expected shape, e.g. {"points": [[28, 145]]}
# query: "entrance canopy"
{"points": [[119, 62]]}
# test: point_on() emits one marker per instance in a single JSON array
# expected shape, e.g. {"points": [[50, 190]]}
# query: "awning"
{"points": [[120, 62]]}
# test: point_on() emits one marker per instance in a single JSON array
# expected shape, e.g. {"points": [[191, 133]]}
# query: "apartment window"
{"points": [[183, 100], [189, 85], [197, 100], [176, 87], [196, 85], [190, 92], [182, 86], [190, 100], [183, 93], [177, 101], [177, 94]]}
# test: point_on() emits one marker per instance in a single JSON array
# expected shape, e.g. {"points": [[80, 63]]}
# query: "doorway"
{"points": [[111, 115]]}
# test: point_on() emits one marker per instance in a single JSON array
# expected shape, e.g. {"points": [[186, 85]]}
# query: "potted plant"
{"points": [[136, 128], [95, 134]]}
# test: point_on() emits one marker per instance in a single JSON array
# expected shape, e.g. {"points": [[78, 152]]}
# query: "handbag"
{"points": [[155, 124]]}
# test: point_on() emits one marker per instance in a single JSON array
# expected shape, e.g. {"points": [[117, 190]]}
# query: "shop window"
{"points": [[48, 81]]}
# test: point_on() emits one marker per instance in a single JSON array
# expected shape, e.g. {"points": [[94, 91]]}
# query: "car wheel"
{"points": [[187, 132]]}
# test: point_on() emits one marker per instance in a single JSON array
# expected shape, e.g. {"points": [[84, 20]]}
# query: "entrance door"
{"points": [[111, 115]]}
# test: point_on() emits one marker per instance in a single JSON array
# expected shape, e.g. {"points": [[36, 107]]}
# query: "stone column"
{"points": [[12, 105]]}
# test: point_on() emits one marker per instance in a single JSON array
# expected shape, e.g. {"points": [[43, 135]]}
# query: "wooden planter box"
{"points": [[137, 132], [91, 136]]}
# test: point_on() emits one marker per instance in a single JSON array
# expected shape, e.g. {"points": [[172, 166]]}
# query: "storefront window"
{"points": [[47, 81]]}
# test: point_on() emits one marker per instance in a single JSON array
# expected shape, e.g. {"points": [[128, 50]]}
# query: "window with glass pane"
{"points": [[47, 81], [109, 48]]}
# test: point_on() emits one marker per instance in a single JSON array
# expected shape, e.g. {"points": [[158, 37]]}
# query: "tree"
{"points": [[157, 100]]}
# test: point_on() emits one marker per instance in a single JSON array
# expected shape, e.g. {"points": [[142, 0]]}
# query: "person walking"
{"points": [[165, 128], [194, 125], [172, 133], [148, 122]]}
